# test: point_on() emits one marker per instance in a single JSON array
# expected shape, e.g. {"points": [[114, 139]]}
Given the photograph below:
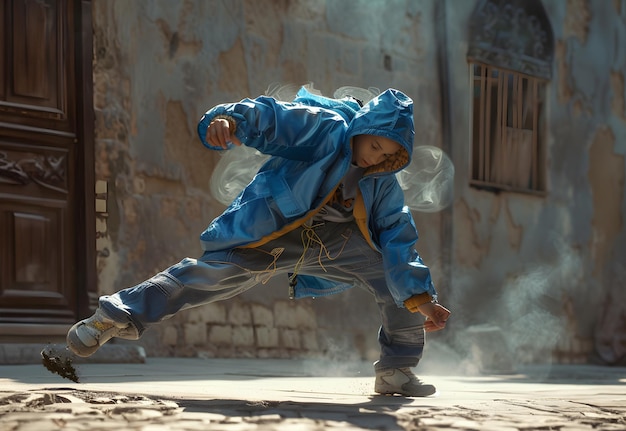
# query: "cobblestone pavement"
{"points": [[229, 395]]}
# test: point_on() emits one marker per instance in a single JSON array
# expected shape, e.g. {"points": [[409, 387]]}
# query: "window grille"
{"points": [[507, 139], [510, 52]]}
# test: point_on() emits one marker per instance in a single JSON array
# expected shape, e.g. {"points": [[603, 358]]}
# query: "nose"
{"points": [[379, 159]]}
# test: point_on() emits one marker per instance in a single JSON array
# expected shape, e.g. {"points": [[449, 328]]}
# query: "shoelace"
{"points": [[100, 325]]}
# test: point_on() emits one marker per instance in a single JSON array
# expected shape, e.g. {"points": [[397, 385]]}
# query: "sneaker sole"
{"points": [[76, 345], [391, 391]]}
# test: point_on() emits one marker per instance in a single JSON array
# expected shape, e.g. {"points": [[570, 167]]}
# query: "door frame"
{"points": [[86, 276]]}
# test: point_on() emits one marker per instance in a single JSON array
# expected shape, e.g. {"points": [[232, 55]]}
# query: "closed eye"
{"points": [[378, 148]]}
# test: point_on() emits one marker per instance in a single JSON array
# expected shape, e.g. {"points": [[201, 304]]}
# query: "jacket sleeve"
{"points": [[395, 234], [276, 128]]}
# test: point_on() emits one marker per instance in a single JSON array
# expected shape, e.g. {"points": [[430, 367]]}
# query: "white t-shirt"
{"points": [[339, 208]]}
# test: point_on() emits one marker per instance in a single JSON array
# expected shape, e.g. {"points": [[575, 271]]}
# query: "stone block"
{"points": [[214, 312], [195, 333], [197, 315], [289, 314], [308, 339], [305, 317], [262, 315], [285, 314], [101, 226], [169, 336], [266, 337], [290, 338], [239, 314], [220, 335], [243, 336]]}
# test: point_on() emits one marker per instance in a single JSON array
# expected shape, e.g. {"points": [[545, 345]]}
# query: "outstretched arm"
{"points": [[288, 130]]}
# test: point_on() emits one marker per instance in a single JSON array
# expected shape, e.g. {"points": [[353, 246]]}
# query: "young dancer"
{"points": [[325, 211]]}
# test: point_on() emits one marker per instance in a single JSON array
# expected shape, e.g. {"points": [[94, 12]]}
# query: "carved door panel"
{"points": [[46, 181]]}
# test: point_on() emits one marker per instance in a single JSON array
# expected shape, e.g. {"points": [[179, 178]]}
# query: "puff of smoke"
{"points": [[234, 171], [524, 325], [339, 359], [534, 304], [428, 181]]}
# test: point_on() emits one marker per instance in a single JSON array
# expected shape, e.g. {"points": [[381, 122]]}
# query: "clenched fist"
{"points": [[218, 134]]}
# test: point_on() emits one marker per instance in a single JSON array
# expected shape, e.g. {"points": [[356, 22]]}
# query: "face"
{"points": [[370, 150]]}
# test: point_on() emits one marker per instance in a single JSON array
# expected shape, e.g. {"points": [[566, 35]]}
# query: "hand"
{"points": [[218, 134], [436, 316]]}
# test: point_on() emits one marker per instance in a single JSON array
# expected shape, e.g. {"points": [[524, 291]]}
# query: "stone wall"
{"points": [[238, 328]]}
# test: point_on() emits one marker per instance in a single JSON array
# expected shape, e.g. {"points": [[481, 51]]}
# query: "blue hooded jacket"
{"points": [[309, 140]]}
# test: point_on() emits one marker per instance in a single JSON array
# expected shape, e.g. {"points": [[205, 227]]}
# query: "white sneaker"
{"points": [[401, 381], [86, 336]]}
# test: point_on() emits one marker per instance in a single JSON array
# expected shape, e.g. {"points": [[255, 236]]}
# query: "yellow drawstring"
{"points": [[309, 237], [271, 268]]}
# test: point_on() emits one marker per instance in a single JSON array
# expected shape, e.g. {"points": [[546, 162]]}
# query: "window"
{"points": [[507, 134], [510, 53]]}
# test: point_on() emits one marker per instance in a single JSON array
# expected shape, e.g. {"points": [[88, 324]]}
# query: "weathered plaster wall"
{"points": [[159, 65], [548, 269]]}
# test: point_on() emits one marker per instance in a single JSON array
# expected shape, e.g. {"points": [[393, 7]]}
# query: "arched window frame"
{"points": [[510, 64]]}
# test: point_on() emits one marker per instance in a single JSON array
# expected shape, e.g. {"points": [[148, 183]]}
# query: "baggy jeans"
{"points": [[338, 253]]}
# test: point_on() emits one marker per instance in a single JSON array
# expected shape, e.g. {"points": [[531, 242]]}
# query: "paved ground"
{"points": [[294, 395]]}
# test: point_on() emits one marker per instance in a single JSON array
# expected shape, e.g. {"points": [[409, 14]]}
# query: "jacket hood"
{"points": [[347, 107], [390, 114]]}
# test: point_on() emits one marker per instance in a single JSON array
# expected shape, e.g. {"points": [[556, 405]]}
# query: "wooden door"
{"points": [[47, 220]]}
